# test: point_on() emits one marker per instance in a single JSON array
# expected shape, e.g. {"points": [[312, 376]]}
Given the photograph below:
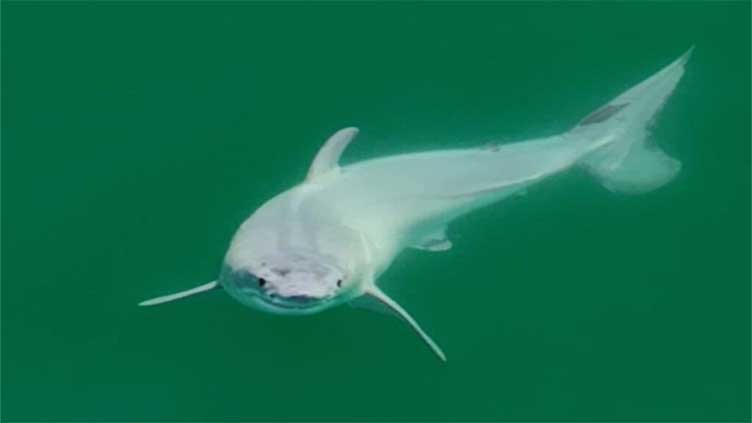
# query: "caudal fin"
{"points": [[625, 161]]}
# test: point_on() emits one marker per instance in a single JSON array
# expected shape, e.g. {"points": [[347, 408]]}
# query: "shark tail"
{"points": [[624, 160]]}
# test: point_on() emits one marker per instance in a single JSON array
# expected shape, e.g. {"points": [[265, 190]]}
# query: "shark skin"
{"points": [[327, 241]]}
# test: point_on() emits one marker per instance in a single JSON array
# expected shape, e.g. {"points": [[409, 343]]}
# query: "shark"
{"points": [[327, 240]]}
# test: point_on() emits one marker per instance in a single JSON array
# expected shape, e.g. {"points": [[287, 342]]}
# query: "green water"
{"points": [[136, 137]]}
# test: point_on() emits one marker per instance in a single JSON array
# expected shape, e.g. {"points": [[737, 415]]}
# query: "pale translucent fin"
{"points": [[625, 162], [640, 103], [172, 297], [437, 241], [379, 295], [327, 158], [643, 168], [370, 303]]}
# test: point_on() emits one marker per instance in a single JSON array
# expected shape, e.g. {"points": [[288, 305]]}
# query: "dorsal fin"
{"points": [[327, 158]]}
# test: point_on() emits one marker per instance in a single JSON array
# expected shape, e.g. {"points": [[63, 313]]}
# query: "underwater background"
{"points": [[136, 137]]}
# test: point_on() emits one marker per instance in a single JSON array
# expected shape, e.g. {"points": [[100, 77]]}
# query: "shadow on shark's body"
{"points": [[327, 240]]}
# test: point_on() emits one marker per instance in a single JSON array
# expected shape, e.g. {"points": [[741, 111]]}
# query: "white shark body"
{"points": [[327, 240]]}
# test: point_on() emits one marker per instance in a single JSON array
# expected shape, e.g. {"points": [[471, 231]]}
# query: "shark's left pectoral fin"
{"points": [[375, 296], [327, 159], [378, 295], [172, 297]]}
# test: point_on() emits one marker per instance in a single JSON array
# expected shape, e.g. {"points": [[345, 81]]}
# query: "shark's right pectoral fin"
{"points": [[378, 295], [172, 297]]}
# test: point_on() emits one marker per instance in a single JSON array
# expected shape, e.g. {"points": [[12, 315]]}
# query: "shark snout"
{"points": [[287, 283], [300, 289]]}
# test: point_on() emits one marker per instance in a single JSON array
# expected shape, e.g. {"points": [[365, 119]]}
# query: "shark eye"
{"points": [[262, 282], [339, 283]]}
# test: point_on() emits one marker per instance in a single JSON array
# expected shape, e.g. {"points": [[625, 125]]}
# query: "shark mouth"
{"points": [[292, 302]]}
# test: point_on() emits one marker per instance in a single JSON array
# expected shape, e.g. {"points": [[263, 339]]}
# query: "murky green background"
{"points": [[136, 137]]}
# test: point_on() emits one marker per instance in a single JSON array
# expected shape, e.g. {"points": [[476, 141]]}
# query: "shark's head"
{"points": [[288, 283]]}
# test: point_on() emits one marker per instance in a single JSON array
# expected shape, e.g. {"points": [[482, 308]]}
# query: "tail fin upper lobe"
{"points": [[626, 162]]}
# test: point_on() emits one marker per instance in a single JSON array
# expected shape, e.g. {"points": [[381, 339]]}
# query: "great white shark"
{"points": [[326, 241]]}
